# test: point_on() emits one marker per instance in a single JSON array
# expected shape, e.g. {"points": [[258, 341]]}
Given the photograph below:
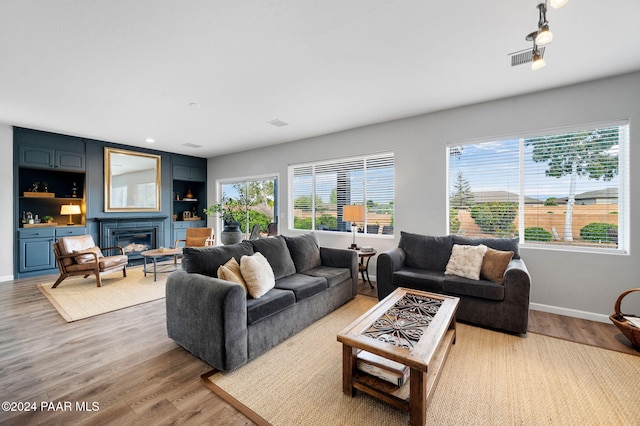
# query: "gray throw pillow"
{"points": [[426, 252], [275, 250], [207, 260], [305, 251]]}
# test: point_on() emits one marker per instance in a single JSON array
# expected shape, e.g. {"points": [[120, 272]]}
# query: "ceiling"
{"points": [[214, 73]]}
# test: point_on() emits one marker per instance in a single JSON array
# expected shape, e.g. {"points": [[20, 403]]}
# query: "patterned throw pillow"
{"points": [[230, 271], [466, 261], [257, 273]]}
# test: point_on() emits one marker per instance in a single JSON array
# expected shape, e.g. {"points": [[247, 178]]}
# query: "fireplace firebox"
{"points": [[133, 235]]}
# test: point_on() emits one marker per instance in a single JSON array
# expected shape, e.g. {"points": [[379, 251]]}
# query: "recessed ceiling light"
{"points": [[191, 145], [149, 140], [277, 123]]}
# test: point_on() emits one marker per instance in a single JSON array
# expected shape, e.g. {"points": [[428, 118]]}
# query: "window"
{"points": [[253, 202], [565, 189], [320, 191]]}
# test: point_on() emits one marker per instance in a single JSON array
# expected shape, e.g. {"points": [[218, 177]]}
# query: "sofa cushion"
{"points": [[466, 261], [419, 279], [494, 264], [502, 244], [207, 260], [272, 302], [277, 253], [257, 274], [459, 286], [230, 271], [333, 276], [426, 252], [303, 286], [305, 251]]}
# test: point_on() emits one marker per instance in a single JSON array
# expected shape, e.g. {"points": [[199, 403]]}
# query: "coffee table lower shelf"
{"points": [[400, 397]]}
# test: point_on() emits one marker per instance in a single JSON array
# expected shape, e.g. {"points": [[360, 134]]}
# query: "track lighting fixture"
{"points": [[544, 36]]}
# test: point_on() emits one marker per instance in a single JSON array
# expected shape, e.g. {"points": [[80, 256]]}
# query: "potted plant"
{"points": [[47, 219], [231, 233]]}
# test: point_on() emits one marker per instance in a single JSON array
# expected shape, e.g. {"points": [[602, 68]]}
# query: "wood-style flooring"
{"points": [[121, 368]]}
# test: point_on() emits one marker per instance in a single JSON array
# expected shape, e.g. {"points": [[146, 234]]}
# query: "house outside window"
{"points": [[320, 191], [564, 189]]}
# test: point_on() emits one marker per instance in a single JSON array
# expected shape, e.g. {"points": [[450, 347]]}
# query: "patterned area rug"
{"points": [[77, 298], [489, 378]]}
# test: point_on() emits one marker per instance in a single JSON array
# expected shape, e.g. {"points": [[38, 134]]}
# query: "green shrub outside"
{"points": [[327, 220], [495, 218], [537, 234], [454, 222], [599, 232]]}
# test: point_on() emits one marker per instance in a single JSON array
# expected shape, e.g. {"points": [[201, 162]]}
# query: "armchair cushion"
{"points": [[68, 245], [87, 258]]}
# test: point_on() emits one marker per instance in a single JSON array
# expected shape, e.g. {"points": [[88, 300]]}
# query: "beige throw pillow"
{"points": [[88, 258], [466, 261], [257, 273], [494, 264], [230, 271]]}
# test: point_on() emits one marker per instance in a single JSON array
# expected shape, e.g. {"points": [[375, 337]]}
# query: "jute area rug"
{"points": [[77, 298], [489, 378]]}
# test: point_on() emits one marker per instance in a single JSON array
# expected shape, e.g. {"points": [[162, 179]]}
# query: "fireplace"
{"points": [[134, 235]]}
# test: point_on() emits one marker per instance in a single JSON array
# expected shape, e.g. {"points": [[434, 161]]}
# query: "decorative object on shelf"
{"points": [[188, 195], [74, 191], [47, 219], [353, 214], [186, 215], [177, 196], [45, 186], [35, 186], [30, 220], [70, 209], [39, 194]]}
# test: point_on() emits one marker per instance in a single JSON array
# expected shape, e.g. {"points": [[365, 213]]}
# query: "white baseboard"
{"points": [[6, 278], [570, 312]]}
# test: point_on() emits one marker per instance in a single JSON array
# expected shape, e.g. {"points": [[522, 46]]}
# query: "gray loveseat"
{"points": [[216, 321], [419, 262]]}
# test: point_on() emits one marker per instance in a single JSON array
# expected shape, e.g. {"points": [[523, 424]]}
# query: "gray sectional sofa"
{"points": [[216, 321], [419, 262]]}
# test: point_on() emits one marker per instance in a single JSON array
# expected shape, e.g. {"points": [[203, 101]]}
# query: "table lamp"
{"points": [[353, 214], [70, 210]]}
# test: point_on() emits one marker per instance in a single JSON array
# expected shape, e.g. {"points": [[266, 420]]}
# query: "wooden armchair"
{"points": [[78, 255], [198, 237]]}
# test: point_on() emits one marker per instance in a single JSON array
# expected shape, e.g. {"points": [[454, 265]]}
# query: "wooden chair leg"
{"points": [[59, 280], [124, 271], [98, 281]]}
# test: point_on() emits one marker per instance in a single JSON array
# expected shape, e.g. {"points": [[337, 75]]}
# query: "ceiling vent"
{"points": [[277, 123], [191, 145], [524, 56]]}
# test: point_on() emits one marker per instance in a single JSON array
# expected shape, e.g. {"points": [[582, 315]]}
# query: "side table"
{"points": [[363, 267]]}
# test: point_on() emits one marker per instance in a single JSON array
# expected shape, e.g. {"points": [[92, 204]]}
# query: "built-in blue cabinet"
{"points": [[35, 247]]}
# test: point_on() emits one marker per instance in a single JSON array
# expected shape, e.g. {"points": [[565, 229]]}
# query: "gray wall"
{"points": [[584, 285]]}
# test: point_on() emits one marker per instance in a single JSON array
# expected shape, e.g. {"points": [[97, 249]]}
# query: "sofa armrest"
{"points": [[388, 262], [341, 258], [517, 289], [208, 317]]}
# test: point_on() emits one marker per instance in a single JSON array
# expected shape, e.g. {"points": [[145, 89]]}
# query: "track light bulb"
{"points": [[557, 4], [544, 36], [538, 62]]}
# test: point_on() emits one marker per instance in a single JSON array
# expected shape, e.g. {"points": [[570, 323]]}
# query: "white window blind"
{"points": [[321, 190], [563, 189]]}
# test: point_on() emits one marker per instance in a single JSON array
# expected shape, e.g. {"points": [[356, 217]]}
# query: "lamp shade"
{"points": [[69, 209], [353, 213]]}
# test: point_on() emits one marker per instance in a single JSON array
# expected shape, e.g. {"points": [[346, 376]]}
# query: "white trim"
{"points": [[592, 316], [6, 278]]}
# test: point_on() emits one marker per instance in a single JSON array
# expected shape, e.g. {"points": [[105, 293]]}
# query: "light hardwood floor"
{"points": [[124, 362]]}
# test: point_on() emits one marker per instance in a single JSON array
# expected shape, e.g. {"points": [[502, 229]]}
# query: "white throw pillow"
{"points": [[257, 273], [466, 261], [230, 271]]}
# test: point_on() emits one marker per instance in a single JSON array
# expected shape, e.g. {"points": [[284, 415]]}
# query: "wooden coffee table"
{"points": [[412, 327], [159, 253]]}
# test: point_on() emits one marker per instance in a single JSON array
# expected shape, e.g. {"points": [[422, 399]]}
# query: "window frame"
{"points": [[624, 200], [335, 162]]}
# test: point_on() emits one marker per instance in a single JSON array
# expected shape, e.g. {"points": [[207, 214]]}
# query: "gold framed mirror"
{"points": [[131, 180]]}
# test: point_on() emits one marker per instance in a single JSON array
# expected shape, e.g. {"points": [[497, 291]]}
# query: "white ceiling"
{"points": [[123, 71]]}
